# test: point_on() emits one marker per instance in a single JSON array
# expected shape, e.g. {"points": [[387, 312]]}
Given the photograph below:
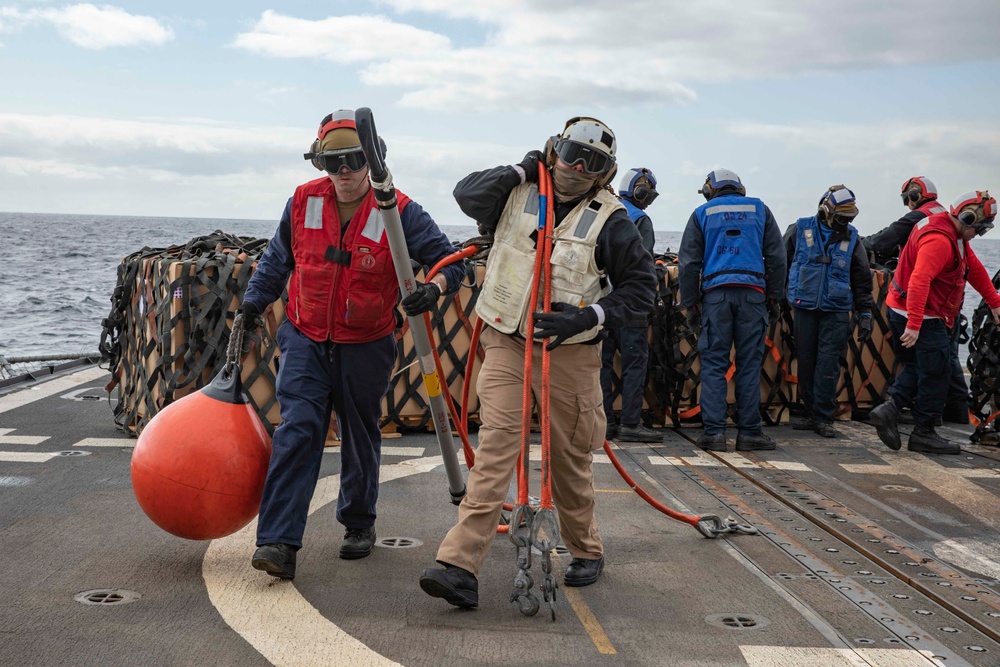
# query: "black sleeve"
{"points": [[645, 227], [775, 259], [861, 280], [482, 195], [629, 267], [691, 260], [790, 239], [885, 244]]}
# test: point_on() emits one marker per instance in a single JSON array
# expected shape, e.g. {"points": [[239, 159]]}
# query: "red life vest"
{"points": [[947, 289], [342, 289]]}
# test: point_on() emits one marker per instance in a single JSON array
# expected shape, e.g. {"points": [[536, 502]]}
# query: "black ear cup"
{"points": [[821, 214], [967, 218], [641, 193], [913, 195]]}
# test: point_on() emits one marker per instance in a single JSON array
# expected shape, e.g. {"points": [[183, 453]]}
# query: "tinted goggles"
{"points": [[593, 160], [334, 162]]}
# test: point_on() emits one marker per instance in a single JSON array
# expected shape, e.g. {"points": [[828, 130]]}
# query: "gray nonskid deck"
{"points": [[799, 593]]}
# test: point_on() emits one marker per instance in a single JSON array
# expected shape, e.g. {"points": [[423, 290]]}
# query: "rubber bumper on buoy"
{"points": [[198, 467]]}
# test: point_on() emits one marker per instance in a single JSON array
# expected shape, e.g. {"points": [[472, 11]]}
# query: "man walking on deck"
{"points": [[829, 277], [920, 195], [595, 242], [337, 344], [637, 190], [926, 294], [732, 270]]}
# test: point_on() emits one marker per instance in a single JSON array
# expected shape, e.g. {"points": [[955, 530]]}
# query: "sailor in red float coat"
{"points": [[337, 345]]}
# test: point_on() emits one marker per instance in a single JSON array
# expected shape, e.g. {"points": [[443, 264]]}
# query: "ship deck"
{"points": [[864, 557]]}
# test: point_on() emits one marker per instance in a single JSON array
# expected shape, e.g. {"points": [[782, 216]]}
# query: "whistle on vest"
{"points": [[810, 239]]}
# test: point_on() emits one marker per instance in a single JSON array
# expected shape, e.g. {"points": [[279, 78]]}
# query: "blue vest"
{"points": [[820, 275], [733, 227], [634, 211]]}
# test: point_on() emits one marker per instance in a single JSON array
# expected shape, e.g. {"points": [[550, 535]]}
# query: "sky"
{"points": [[204, 109]]}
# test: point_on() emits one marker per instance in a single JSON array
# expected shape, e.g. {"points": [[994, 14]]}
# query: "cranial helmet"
{"points": [[639, 185], [837, 207], [918, 190], [337, 144], [585, 141], [975, 209], [721, 180]]}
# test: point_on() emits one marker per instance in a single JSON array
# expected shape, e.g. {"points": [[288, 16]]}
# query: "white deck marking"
{"points": [[787, 656], [106, 442], [973, 555], [249, 600], [27, 457], [536, 455], [415, 452], [50, 387], [22, 439], [893, 469]]}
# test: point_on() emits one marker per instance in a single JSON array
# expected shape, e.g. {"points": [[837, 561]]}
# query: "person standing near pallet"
{"points": [[732, 270], [828, 278], [920, 195], [637, 190], [594, 242], [337, 344], [925, 296]]}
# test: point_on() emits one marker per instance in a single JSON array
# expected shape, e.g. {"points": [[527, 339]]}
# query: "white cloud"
{"points": [[543, 54], [92, 27], [341, 39]]}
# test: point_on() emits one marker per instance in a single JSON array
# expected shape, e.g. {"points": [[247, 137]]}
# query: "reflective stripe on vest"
{"points": [[733, 228], [504, 297], [341, 289], [820, 275]]}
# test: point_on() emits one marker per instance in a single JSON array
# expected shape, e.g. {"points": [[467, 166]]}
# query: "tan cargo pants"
{"points": [[578, 428]]}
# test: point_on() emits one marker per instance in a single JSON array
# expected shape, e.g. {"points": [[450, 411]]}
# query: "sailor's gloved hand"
{"points": [[423, 299], [565, 321], [250, 322], [773, 311], [693, 317], [530, 165], [864, 328], [996, 314]]}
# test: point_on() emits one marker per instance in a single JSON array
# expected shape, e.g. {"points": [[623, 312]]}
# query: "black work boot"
{"points": [[802, 423], [753, 442], [278, 560], [712, 443], [638, 433], [956, 414], [885, 419], [456, 585], [926, 440], [358, 543], [825, 430], [611, 432], [583, 572]]}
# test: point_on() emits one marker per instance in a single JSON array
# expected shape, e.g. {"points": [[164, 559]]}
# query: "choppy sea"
{"points": [[57, 272]]}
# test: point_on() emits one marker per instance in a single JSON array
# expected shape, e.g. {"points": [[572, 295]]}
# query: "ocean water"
{"points": [[57, 272]]}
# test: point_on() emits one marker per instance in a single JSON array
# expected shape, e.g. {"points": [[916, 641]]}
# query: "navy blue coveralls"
{"points": [[318, 378], [829, 277], [731, 262], [631, 340]]}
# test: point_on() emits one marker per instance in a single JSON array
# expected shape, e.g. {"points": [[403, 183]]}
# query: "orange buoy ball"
{"points": [[198, 467]]}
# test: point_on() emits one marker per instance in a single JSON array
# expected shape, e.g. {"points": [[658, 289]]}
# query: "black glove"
{"points": [[530, 165], [693, 317], [565, 321], [864, 328], [773, 311], [424, 298], [250, 323]]}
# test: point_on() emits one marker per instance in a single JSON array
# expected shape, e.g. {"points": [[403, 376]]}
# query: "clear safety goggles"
{"points": [[593, 161], [333, 162]]}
